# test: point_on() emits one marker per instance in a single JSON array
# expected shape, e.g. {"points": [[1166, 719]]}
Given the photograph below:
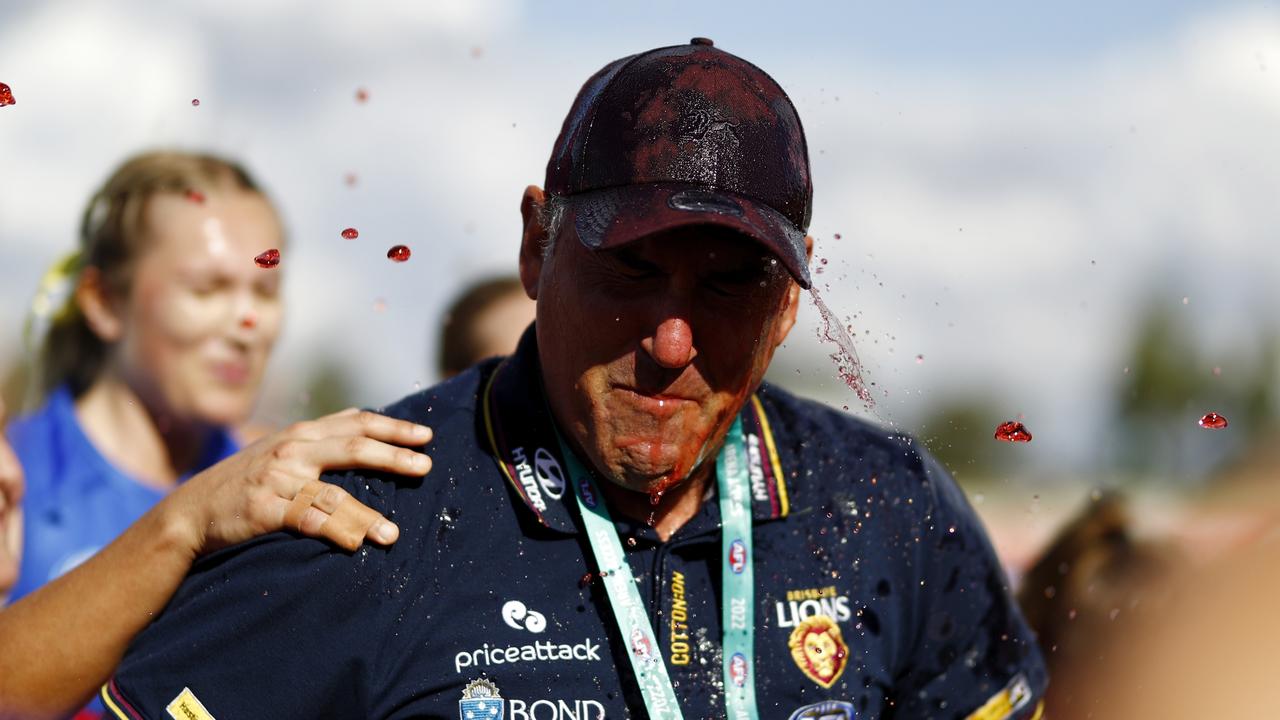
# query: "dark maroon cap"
{"points": [[685, 135]]}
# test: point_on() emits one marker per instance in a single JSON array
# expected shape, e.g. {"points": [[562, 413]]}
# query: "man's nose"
{"points": [[671, 345]]}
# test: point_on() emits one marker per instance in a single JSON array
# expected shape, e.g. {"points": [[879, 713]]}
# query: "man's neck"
{"points": [[677, 506]]}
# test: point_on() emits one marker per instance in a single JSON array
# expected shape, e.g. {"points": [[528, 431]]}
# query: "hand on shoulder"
{"points": [[274, 484]]}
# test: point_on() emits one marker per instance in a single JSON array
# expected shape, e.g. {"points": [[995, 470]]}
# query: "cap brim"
{"points": [[614, 217]]}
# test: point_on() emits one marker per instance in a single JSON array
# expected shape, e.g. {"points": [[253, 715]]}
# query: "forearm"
{"points": [[59, 644]]}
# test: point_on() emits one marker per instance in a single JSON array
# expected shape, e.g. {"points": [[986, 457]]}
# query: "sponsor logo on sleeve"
{"points": [[480, 701], [186, 706], [819, 650], [516, 615], [808, 602], [737, 556], [827, 710], [1003, 705]]}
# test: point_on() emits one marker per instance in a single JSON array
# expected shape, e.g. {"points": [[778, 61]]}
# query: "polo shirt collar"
{"points": [[521, 436]]}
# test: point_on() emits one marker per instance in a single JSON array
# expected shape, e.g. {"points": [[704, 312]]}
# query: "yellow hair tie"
{"points": [[54, 300]]}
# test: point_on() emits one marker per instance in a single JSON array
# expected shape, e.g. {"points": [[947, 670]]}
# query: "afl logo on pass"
{"points": [[737, 556], [640, 644], [738, 669], [584, 491]]}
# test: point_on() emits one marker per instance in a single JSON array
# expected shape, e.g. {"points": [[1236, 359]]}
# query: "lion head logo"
{"points": [[819, 650]]}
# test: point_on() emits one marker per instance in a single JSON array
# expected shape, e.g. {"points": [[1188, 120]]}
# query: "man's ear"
{"points": [[100, 309], [533, 242], [791, 303]]}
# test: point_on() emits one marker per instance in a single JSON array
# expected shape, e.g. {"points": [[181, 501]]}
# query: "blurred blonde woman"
{"points": [[156, 351]]}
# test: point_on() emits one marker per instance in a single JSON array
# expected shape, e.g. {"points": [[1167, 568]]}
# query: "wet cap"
{"points": [[685, 135]]}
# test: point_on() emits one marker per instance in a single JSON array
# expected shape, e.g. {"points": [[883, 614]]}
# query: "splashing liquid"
{"points": [[1013, 431], [1213, 421], [845, 357], [399, 253], [350, 234], [268, 259], [6, 96]]}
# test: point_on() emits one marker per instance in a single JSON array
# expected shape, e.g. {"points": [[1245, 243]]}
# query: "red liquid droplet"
{"points": [[655, 497], [195, 196], [1013, 431], [350, 233], [361, 95], [845, 357], [836, 236], [919, 359], [351, 179], [477, 52], [268, 259], [1213, 421], [195, 102], [399, 253], [6, 96]]}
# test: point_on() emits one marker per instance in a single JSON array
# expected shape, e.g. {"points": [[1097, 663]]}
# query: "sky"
{"points": [[1011, 183]]}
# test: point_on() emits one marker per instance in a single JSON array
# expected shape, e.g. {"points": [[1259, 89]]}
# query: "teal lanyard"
{"points": [[737, 593]]}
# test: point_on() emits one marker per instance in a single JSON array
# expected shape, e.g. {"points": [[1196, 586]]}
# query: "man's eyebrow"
{"points": [[628, 256]]}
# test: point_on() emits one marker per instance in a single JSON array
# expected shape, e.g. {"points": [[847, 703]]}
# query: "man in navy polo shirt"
{"points": [[623, 520]]}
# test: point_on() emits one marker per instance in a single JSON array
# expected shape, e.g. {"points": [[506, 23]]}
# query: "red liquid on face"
{"points": [[399, 253], [6, 96], [350, 234], [195, 196], [362, 95], [655, 497], [195, 102], [845, 357], [268, 259], [1213, 421], [1013, 431]]}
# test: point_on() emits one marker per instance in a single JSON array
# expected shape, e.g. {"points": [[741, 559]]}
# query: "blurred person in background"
{"points": [[1092, 580], [159, 349], [484, 320]]}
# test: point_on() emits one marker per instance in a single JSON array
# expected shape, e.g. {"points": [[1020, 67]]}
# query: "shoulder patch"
{"points": [[188, 707], [1014, 697]]}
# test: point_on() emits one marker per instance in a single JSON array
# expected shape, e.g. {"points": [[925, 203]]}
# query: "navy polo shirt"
{"points": [[877, 592]]}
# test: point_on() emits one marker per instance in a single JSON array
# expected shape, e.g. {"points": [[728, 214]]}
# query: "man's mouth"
{"points": [[662, 405]]}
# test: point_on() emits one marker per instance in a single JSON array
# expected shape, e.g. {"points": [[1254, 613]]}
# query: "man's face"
{"points": [[650, 350]]}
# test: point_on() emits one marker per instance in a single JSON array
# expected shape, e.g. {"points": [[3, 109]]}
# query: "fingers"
{"points": [[357, 451], [368, 424], [326, 511]]}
